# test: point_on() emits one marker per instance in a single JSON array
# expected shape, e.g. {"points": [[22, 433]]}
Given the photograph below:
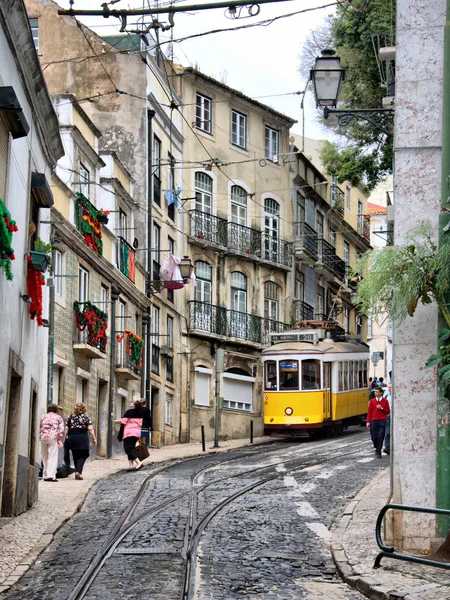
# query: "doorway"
{"points": [[11, 455], [102, 423]]}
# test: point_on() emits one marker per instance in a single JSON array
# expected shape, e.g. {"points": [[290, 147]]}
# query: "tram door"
{"points": [[326, 390]]}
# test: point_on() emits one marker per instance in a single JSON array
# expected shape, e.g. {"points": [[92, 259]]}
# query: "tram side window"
{"points": [[311, 375], [366, 380], [341, 376], [345, 375], [350, 375], [361, 382], [289, 375], [270, 379]]}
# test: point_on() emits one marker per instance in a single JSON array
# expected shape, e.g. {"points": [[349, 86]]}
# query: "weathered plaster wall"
{"points": [[417, 179]]}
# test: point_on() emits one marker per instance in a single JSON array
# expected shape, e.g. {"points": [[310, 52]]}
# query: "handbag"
{"points": [[141, 451]]}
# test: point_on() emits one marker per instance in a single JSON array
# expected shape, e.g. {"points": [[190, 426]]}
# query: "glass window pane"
{"points": [[311, 374], [270, 379], [289, 375]]}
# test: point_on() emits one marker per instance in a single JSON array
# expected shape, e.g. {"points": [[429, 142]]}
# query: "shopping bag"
{"points": [[141, 451]]}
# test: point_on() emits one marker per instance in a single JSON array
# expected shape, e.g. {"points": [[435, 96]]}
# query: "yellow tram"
{"points": [[314, 380]]}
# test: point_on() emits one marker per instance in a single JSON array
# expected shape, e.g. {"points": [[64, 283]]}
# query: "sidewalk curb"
{"points": [[366, 585]]}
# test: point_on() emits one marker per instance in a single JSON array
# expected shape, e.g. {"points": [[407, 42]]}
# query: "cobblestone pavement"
{"points": [[272, 542]]}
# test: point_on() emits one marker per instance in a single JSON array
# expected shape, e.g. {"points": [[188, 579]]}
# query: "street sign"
{"points": [[376, 357]]}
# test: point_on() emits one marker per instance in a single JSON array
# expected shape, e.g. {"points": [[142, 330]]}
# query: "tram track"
{"points": [[194, 526]]}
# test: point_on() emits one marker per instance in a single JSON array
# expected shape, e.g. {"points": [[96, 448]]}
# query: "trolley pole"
{"points": [[219, 370]]}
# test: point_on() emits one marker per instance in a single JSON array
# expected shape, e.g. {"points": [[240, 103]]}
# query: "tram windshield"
{"points": [[288, 374], [311, 375]]}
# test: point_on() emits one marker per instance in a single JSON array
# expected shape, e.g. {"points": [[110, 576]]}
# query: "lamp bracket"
{"points": [[381, 118]]}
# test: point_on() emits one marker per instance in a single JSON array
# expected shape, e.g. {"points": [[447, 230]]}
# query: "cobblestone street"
{"points": [[270, 542]]}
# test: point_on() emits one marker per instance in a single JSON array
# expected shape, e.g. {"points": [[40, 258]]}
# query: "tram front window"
{"points": [[311, 375], [289, 375], [270, 379]]}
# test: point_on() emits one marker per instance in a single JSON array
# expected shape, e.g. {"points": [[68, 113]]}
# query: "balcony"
{"points": [[303, 311], [219, 321], [90, 334], [208, 230], [129, 355], [337, 200], [330, 260], [305, 241], [218, 233], [364, 226], [126, 259]]}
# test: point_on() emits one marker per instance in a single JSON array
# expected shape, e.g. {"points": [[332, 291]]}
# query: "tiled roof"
{"points": [[375, 209]]}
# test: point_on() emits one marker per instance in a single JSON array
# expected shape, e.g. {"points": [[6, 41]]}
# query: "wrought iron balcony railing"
{"points": [[329, 258], [306, 239], [244, 239], [244, 326], [207, 317], [364, 226], [337, 199], [125, 361], [277, 250], [126, 259], [91, 325], [303, 311], [208, 228], [271, 326]]}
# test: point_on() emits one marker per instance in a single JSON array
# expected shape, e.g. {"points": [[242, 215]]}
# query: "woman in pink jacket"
{"points": [[130, 432]]}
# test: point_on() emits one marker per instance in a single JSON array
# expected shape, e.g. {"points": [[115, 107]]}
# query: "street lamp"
{"points": [[185, 266], [327, 77]]}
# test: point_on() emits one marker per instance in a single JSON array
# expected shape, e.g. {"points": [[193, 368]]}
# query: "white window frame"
{"points": [[346, 253], [83, 284], [84, 180], [203, 192], [348, 198], [203, 113], [271, 143], [238, 205], [170, 322], [169, 404], [238, 129], [58, 271], [203, 371], [236, 404], [34, 26]]}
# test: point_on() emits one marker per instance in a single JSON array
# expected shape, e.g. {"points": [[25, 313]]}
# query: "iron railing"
{"points": [[91, 325], [244, 326], [126, 259], [271, 326], [303, 311], [364, 226], [126, 361], [306, 238], [244, 239], [330, 259], [208, 228], [276, 250], [337, 199], [207, 317]]}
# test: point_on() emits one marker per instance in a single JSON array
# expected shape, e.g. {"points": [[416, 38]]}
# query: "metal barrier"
{"points": [[389, 551]]}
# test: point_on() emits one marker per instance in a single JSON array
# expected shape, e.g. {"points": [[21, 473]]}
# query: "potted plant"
{"points": [[103, 216], [41, 256]]}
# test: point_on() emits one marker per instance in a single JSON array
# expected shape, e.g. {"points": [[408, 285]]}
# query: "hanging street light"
{"points": [[327, 77], [185, 268]]}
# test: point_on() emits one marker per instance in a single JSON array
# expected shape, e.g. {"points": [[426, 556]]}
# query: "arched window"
{"points": [[271, 229], [203, 192], [238, 315], [238, 205], [271, 206]]}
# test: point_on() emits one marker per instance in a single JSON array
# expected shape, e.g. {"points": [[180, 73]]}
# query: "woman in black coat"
{"points": [[78, 427]]}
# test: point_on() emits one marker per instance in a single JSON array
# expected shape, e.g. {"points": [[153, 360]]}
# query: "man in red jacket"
{"points": [[376, 419]]}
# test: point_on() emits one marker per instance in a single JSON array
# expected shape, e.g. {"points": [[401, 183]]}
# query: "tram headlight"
{"points": [[288, 411]]}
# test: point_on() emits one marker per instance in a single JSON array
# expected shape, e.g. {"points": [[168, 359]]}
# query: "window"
{"points": [[84, 180], [311, 375], [83, 284], [169, 369], [348, 198], [170, 332], [369, 328], [169, 402], [171, 187], [332, 237], [270, 377], [271, 229], [123, 225], [238, 129], [301, 217], [346, 253], [358, 325], [299, 285], [238, 205], [238, 315], [360, 206], [237, 390], [203, 115], [155, 340], [271, 301], [169, 344], [320, 302], [288, 374], [157, 171], [203, 192], [121, 325], [81, 392], [203, 274], [105, 300], [319, 223], [202, 382], [271, 143], [171, 248], [157, 251], [346, 316], [58, 271], [34, 25]]}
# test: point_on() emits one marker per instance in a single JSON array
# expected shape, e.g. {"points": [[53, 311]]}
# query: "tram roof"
{"points": [[322, 347]]}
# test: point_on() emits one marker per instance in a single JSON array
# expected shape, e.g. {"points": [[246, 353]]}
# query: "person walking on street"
{"points": [[146, 422], [51, 435], [130, 432], [376, 419], [387, 438], [78, 427]]}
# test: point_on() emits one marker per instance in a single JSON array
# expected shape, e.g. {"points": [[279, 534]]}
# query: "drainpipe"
{"points": [[51, 335], [148, 346], [115, 293], [443, 429]]}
